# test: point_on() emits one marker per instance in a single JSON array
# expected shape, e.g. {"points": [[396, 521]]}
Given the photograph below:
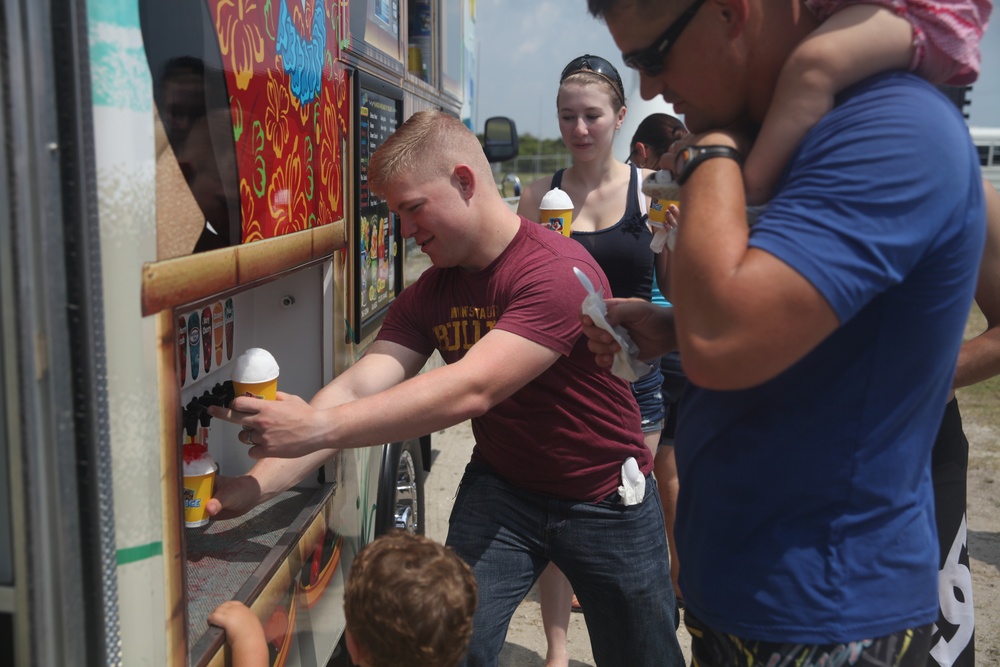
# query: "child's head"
{"points": [[409, 601]]}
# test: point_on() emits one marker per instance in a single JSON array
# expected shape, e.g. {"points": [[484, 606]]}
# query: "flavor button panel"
{"points": [[205, 340]]}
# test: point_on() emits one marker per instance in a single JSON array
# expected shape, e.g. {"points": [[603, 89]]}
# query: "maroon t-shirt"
{"points": [[567, 432]]}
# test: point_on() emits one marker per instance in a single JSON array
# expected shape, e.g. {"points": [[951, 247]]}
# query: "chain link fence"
{"points": [[514, 174]]}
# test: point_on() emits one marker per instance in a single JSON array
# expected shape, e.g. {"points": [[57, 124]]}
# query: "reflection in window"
{"points": [[198, 205], [253, 104], [452, 46], [420, 59]]}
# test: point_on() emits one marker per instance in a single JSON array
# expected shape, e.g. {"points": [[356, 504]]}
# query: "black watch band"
{"points": [[689, 158]]}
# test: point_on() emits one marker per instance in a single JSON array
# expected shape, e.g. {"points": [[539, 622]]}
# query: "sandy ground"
{"points": [[526, 640], [984, 536]]}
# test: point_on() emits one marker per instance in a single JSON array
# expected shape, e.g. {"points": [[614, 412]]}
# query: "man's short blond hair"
{"points": [[410, 601], [429, 143]]}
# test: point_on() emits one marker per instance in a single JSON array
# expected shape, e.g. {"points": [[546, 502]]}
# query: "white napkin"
{"points": [[625, 365], [661, 236], [633, 488]]}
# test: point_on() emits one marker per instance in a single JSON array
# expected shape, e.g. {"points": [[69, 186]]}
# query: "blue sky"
{"points": [[521, 56]]}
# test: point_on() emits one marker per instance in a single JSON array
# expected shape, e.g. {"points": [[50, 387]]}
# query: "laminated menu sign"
{"points": [[377, 256]]}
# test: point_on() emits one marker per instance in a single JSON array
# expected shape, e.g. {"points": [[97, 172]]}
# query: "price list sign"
{"points": [[377, 268]]}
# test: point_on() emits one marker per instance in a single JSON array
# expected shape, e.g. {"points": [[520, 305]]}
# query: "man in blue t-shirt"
{"points": [[820, 343]]}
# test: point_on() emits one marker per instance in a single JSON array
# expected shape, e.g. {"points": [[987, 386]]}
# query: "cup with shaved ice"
{"points": [[556, 211], [199, 483], [661, 185], [255, 373], [663, 193]]}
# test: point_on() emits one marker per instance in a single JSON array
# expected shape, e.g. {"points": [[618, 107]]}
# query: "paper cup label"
{"points": [[657, 212], [558, 220], [197, 492], [266, 390]]}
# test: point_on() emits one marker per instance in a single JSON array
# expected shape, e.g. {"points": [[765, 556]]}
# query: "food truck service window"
{"points": [[376, 247]]}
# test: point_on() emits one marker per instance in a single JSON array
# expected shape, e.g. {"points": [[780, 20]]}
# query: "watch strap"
{"points": [[692, 156]]}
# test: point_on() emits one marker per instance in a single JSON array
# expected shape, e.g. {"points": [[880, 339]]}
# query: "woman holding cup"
{"points": [[609, 219]]}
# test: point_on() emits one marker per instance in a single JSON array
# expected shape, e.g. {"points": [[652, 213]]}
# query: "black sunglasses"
{"points": [[598, 66], [650, 59]]}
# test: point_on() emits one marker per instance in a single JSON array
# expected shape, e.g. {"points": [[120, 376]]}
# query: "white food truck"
{"points": [[182, 181]]}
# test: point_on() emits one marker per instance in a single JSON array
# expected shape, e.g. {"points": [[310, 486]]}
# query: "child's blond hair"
{"points": [[410, 601]]}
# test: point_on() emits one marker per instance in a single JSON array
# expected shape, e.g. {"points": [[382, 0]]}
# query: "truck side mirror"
{"points": [[499, 139]]}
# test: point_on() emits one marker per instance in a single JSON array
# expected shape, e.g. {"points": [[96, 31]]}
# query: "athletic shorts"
{"points": [[673, 385]]}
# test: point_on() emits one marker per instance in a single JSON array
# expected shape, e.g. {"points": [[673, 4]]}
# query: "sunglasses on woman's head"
{"points": [[599, 66]]}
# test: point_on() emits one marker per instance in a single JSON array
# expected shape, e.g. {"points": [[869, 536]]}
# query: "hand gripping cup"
{"points": [[255, 373], [199, 483], [663, 192], [556, 211]]}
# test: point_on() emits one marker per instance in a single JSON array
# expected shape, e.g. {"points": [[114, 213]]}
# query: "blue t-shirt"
{"points": [[806, 509]]}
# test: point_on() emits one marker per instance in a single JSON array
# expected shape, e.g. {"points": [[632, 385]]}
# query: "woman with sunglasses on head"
{"points": [[609, 220]]}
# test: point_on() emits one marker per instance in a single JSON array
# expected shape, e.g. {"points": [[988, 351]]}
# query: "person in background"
{"points": [[408, 601], [653, 138], [609, 221], [244, 634], [953, 643], [805, 518], [500, 304]]}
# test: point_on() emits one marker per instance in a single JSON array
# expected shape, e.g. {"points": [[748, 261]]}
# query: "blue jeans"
{"points": [[614, 556]]}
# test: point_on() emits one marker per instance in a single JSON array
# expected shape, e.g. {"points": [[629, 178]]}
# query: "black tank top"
{"points": [[622, 250]]}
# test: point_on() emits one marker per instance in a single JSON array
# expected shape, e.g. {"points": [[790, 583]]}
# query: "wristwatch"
{"points": [[689, 158]]}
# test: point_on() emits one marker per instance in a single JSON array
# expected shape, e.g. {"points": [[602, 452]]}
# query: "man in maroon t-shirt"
{"points": [[501, 304]]}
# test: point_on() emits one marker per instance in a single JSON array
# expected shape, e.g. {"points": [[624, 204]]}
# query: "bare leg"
{"points": [[556, 595], [665, 468], [850, 46], [652, 440]]}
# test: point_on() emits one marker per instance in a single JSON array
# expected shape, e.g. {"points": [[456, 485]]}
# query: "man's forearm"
{"points": [[276, 476]]}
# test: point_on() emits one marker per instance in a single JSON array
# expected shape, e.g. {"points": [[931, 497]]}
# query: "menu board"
{"points": [[377, 240]]}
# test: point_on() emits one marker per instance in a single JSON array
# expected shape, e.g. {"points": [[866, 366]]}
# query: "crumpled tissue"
{"points": [[625, 364], [662, 236], [633, 488]]}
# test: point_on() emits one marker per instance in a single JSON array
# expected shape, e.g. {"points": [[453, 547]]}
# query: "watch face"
{"points": [[692, 156], [684, 159]]}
